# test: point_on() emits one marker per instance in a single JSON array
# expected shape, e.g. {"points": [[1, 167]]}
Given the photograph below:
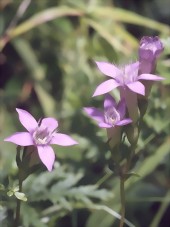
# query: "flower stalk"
{"points": [[134, 82], [20, 181], [18, 206]]}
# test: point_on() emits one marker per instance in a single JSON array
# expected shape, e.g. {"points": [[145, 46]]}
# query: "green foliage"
{"points": [[47, 63]]}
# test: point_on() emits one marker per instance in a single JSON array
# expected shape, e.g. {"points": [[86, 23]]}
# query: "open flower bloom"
{"points": [[149, 50], [111, 118], [40, 134], [113, 114], [126, 78]]}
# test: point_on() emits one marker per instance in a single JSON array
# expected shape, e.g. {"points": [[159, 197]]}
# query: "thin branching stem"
{"points": [[18, 206]]}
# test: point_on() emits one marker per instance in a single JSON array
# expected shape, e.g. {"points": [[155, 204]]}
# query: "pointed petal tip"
{"points": [[125, 121], [47, 156], [106, 87], [86, 110], [26, 119], [63, 140], [137, 87], [160, 78], [19, 110], [6, 139], [20, 138], [152, 77], [49, 168], [94, 94], [109, 101], [75, 143]]}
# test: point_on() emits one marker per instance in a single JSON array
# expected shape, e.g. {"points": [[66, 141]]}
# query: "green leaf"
{"points": [[16, 189], [46, 100], [111, 212], [10, 193], [103, 32], [38, 75], [126, 16], [131, 174], [20, 196]]}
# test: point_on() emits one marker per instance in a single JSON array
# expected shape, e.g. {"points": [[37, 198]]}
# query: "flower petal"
{"points": [[134, 67], [27, 120], [62, 140], [124, 122], [50, 123], [94, 113], [20, 138], [150, 48], [109, 102], [108, 69], [105, 125], [47, 156], [137, 87], [150, 77], [105, 87]]}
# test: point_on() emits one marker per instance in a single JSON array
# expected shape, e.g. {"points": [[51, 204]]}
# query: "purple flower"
{"points": [[126, 77], [113, 114], [149, 50], [40, 134]]}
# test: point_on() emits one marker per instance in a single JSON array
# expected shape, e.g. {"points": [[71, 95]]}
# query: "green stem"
{"points": [[18, 206], [122, 198], [130, 158]]}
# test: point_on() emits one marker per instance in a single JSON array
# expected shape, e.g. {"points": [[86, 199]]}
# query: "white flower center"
{"points": [[112, 116], [42, 135]]}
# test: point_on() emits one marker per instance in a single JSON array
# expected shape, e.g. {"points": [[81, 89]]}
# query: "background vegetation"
{"points": [[47, 67]]}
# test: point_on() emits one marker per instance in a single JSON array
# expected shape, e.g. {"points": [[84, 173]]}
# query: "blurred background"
{"points": [[47, 67]]}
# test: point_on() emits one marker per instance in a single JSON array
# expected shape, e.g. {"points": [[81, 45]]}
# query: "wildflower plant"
{"points": [[120, 118], [123, 120], [37, 143]]}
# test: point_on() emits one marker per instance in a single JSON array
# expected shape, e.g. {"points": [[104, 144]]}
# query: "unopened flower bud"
{"points": [[149, 50]]}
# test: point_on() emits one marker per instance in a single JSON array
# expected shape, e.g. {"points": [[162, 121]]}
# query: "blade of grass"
{"points": [[43, 17], [125, 16], [36, 20], [104, 33]]}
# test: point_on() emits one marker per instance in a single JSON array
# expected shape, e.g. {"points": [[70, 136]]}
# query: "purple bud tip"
{"points": [[150, 48]]}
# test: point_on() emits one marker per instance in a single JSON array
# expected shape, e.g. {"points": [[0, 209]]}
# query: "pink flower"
{"points": [[113, 114], [40, 134], [126, 77], [112, 118]]}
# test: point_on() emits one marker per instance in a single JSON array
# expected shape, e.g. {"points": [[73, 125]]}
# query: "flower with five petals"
{"points": [[126, 78], [41, 134]]}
